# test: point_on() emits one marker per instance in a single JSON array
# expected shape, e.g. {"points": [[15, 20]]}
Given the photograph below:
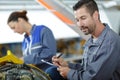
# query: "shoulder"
{"points": [[113, 37], [44, 27], [43, 30]]}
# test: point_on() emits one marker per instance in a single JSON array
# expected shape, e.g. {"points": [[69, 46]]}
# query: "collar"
{"points": [[100, 38], [33, 27]]}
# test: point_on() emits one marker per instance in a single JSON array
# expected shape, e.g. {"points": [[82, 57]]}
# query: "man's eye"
{"points": [[83, 18]]}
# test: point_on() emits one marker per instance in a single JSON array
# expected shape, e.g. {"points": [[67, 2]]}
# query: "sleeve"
{"points": [[47, 50], [49, 44], [77, 66], [103, 66]]}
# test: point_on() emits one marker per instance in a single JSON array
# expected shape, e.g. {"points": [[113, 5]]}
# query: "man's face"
{"points": [[85, 21]]}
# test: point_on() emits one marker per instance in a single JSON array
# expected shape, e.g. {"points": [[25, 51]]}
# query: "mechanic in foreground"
{"points": [[101, 58]]}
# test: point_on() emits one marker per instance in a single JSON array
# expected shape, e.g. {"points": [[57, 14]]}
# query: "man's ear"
{"points": [[96, 15], [19, 19]]}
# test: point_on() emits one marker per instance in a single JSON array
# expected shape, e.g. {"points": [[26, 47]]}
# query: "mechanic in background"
{"points": [[39, 42]]}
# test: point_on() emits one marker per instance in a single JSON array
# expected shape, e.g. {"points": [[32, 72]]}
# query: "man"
{"points": [[101, 58]]}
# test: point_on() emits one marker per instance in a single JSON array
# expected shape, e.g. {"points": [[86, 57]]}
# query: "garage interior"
{"points": [[70, 43]]}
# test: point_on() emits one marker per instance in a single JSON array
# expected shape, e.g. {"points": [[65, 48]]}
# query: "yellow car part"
{"points": [[11, 58], [11, 65]]}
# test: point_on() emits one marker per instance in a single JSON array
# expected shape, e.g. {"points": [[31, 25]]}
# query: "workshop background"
{"points": [[69, 38]]}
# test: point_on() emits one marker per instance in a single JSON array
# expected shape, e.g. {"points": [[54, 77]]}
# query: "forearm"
{"points": [[75, 66]]}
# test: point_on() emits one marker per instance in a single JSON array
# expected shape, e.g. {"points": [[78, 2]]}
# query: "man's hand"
{"points": [[63, 71], [62, 66], [59, 61]]}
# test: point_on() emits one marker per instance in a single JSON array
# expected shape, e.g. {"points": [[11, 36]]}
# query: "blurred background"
{"points": [[58, 16]]}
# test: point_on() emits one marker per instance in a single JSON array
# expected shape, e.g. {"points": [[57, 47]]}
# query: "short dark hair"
{"points": [[91, 5], [17, 14]]}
